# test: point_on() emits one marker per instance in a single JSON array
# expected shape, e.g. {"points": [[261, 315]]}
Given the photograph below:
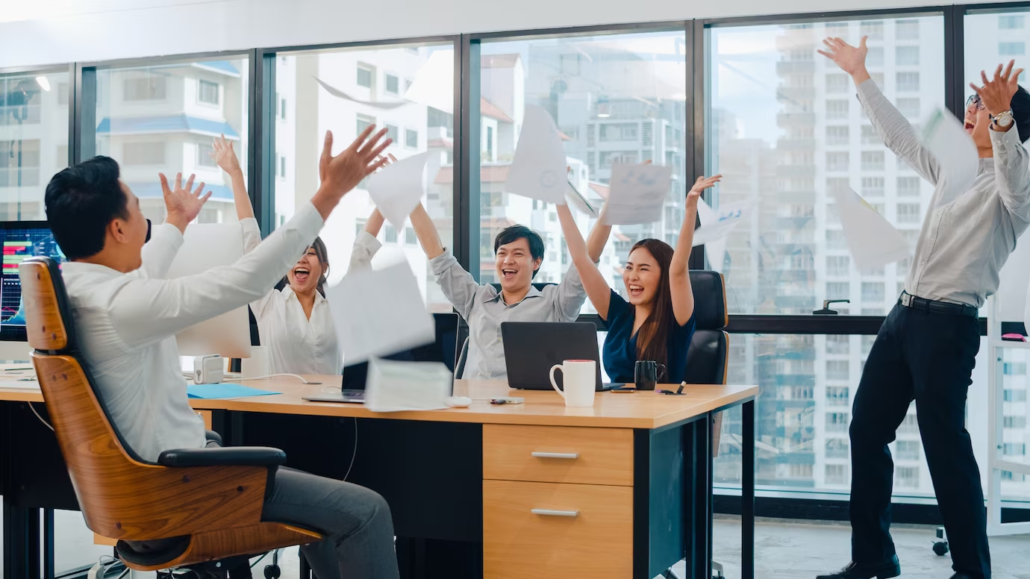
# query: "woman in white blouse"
{"points": [[295, 324]]}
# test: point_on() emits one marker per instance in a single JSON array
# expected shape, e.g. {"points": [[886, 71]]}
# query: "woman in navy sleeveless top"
{"points": [[657, 321]]}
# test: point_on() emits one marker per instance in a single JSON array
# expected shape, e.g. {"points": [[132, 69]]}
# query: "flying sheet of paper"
{"points": [[946, 138], [579, 201], [388, 105], [715, 249], [637, 193], [205, 247], [377, 313], [872, 240], [721, 222], [394, 386], [398, 187], [434, 83], [538, 170]]}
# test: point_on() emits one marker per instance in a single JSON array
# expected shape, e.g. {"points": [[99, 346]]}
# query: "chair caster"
{"points": [[273, 572], [940, 546]]}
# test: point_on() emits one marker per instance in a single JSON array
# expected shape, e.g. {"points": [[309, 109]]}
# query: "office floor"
{"points": [[785, 549]]}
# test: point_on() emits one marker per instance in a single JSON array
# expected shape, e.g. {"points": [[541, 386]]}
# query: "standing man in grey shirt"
{"points": [[519, 252], [926, 348]]}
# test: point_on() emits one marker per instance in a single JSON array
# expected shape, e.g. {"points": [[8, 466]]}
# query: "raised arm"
{"points": [[425, 230], [1011, 166], [224, 155], [181, 207], [897, 133], [366, 245], [679, 270], [593, 282], [457, 284]]}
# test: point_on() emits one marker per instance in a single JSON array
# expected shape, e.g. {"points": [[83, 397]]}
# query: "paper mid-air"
{"points": [[637, 193], [957, 159], [398, 188], [872, 240], [538, 170]]}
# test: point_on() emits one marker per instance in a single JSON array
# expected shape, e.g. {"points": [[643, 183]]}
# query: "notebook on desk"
{"points": [[443, 349]]}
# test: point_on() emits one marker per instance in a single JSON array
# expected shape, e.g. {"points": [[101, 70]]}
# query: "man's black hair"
{"points": [[1021, 113], [517, 232], [80, 203]]}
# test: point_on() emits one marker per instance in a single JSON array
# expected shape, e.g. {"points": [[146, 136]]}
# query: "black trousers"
{"points": [[929, 358]]}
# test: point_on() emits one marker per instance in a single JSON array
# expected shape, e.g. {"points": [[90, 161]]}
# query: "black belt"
{"points": [[935, 307]]}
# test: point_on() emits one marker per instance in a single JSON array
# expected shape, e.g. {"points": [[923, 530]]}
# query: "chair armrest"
{"points": [[216, 456]]}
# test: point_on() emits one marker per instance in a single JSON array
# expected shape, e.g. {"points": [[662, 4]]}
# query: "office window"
{"points": [[144, 87], [365, 75], [837, 135], [836, 109], [1014, 422], [906, 56], [872, 187], [1011, 22], [837, 83], [907, 450], [1011, 48], [906, 29], [207, 92], [837, 448], [837, 161], [838, 265], [160, 118], [907, 81], [837, 474], [837, 421], [417, 127], [906, 477], [909, 107], [204, 159], [837, 395], [152, 153], [872, 160], [872, 28], [875, 58], [908, 186]]}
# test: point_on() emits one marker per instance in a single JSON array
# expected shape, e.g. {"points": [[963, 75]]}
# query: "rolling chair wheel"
{"points": [[940, 548], [273, 572]]}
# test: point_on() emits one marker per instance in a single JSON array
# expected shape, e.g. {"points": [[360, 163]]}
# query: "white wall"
{"points": [[61, 31]]}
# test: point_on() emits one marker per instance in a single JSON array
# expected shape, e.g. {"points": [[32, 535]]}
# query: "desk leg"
{"points": [[305, 569], [747, 494], [49, 571], [21, 541], [699, 547]]}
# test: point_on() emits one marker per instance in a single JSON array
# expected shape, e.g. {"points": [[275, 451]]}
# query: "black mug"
{"points": [[647, 373]]}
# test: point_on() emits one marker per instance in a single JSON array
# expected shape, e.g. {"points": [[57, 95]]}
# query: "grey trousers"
{"points": [[356, 523]]}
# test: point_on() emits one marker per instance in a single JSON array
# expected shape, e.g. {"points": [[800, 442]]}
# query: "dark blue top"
{"points": [[620, 346]]}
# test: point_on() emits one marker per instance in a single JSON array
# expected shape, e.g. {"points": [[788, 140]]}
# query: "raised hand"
{"points": [[224, 155], [700, 185], [850, 59], [996, 94], [182, 205], [343, 172]]}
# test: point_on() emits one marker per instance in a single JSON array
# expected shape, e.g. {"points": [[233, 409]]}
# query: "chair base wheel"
{"points": [[273, 572], [941, 548]]}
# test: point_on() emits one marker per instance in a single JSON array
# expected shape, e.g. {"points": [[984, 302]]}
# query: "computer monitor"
{"points": [[21, 240]]}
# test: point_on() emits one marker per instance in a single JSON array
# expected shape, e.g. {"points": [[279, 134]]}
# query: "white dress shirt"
{"points": [[297, 344], [126, 326]]}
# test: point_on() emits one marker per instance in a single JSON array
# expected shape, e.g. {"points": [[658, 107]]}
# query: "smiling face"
{"points": [[305, 274], [977, 121], [642, 276], [515, 265]]}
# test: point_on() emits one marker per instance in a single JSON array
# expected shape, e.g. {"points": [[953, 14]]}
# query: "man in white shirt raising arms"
{"points": [[127, 316]]}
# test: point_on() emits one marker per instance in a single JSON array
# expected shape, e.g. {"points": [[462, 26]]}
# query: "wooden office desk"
{"points": [[622, 489]]}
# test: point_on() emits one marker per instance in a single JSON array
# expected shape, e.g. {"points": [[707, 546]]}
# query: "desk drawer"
{"points": [[602, 456], [576, 531]]}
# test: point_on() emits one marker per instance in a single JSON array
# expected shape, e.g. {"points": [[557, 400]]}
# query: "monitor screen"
{"points": [[21, 240]]}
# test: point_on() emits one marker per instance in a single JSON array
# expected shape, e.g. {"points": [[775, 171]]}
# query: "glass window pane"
{"points": [[161, 118], [786, 137], [617, 98], [33, 141], [309, 111], [1003, 37]]}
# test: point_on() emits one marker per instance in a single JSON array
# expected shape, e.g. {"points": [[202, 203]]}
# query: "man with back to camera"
{"points": [[130, 315], [927, 346]]}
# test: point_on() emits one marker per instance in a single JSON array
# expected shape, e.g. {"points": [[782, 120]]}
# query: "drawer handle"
{"points": [[553, 513], [562, 455]]}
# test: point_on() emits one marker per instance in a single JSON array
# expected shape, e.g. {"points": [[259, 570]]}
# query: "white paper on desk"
{"points": [[398, 187], [394, 386], [538, 170], [434, 82], [379, 312], [946, 138], [637, 193], [872, 240]]}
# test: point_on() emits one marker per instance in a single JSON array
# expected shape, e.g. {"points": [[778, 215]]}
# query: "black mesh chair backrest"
{"points": [[709, 348]]}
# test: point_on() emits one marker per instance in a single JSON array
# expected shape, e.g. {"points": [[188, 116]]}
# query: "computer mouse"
{"points": [[458, 401]]}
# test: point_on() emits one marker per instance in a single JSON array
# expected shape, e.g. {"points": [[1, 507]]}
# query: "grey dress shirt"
{"points": [[484, 310], [965, 241]]}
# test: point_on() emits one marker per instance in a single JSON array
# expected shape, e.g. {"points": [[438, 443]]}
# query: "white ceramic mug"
{"points": [[580, 379], [257, 364]]}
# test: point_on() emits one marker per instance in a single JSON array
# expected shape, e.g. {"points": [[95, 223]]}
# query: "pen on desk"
{"points": [[678, 392]]}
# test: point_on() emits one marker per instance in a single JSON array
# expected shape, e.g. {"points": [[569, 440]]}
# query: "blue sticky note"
{"points": [[224, 390]]}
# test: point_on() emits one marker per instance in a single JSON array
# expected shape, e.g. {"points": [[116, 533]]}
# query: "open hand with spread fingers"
{"points": [[182, 204], [223, 154], [996, 93], [700, 185]]}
